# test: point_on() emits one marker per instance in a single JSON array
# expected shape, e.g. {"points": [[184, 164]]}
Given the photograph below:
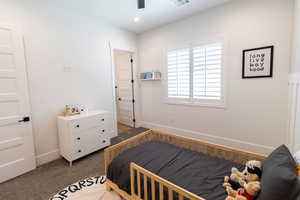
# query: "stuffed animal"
{"points": [[297, 159], [249, 192], [252, 172]]}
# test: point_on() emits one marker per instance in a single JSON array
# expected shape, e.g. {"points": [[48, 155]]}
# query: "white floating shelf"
{"points": [[150, 76], [151, 79]]}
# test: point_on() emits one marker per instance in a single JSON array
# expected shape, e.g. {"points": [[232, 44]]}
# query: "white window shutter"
{"points": [[179, 73], [207, 72]]}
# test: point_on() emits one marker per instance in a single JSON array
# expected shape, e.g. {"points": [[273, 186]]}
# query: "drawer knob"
{"points": [[103, 131], [102, 120], [103, 141], [79, 151], [78, 138], [77, 126]]}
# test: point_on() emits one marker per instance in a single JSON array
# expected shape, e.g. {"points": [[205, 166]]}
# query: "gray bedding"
{"points": [[198, 173]]}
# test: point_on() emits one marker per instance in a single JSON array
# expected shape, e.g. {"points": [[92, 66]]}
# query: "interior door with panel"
{"points": [[124, 88], [16, 138]]}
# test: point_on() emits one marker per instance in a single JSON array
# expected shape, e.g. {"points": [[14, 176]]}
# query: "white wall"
{"points": [[296, 38], [55, 38], [255, 118]]}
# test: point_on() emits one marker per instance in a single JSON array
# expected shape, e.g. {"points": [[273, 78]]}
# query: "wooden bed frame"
{"points": [[112, 152]]}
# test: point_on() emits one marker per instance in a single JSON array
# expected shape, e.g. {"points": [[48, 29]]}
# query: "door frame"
{"points": [[113, 48]]}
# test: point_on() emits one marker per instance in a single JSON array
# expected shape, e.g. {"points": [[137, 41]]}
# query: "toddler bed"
{"points": [[157, 165]]}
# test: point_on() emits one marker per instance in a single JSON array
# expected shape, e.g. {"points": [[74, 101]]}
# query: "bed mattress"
{"points": [[196, 172]]}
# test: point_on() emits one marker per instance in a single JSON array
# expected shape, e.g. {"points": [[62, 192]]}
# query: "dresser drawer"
{"points": [[80, 149], [89, 141], [79, 152], [89, 122], [94, 133]]}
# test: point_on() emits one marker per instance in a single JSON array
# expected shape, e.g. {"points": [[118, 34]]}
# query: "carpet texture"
{"points": [[48, 179]]}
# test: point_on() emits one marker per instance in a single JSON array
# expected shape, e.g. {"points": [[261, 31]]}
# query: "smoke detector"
{"points": [[181, 2]]}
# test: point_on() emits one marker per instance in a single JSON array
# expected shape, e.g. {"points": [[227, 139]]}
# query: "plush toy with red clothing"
{"points": [[249, 192]]}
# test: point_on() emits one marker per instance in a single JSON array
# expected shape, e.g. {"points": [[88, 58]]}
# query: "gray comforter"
{"points": [[198, 173]]}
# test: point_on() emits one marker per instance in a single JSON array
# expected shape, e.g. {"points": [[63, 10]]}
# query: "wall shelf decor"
{"points": [[150, 76]]}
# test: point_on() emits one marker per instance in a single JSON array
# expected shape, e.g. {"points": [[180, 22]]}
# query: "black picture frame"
{"points": [[270, 75]]}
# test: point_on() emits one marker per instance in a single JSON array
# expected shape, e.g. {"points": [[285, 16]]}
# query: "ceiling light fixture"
{"points": [[136, 19], [141, 4]]}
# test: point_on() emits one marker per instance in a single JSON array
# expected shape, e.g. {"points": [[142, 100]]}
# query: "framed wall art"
{"points": [[258, 62]]}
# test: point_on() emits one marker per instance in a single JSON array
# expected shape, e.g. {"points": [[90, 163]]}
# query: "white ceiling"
{"points": [[156, 13]]}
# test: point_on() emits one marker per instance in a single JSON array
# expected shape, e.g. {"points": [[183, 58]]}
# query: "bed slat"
{"points": [[153, 189], [163, 183], [170, 194], [161, 191], [145, 188], [139, 183]]}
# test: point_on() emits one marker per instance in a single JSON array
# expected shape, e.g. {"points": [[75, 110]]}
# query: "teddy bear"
{"points": [[297, 159], [249, 192], [237, 179]]}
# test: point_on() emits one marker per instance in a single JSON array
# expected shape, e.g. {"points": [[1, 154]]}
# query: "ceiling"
{"points": [[156, 13]]}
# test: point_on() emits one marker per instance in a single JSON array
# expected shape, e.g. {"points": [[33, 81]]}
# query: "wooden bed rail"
{"points": [[219, 151], [112, 152], [142, 179]]}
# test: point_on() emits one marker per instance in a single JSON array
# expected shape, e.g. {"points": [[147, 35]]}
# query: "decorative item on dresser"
{"points": [[80, 135]]}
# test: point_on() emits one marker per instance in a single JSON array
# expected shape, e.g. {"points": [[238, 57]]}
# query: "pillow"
{"points": [[279, 177]]}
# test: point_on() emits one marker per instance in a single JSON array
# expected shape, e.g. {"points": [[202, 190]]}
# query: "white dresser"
{"points": [[83, 134]]}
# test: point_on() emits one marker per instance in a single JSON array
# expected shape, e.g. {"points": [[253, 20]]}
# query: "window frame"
{"points": [[192, 101]]}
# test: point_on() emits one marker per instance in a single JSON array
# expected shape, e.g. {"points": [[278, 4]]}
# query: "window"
{"points": [[179, 73], [195, 74]]}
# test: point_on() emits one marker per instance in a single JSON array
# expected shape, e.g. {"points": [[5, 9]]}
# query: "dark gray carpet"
{"points": [[50, 178]]}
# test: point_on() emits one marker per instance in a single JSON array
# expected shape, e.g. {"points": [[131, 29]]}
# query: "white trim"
{"points": [[294, 77], [113, 89], [219, 105], [47, 157], [293, 110], [237, 144]]}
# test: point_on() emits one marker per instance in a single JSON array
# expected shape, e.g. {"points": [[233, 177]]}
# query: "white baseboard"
{"points": [[237, 144], [47, 157]]}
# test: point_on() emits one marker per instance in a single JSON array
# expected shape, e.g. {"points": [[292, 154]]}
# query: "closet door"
{"points": [[16, 139], [124, 88]]}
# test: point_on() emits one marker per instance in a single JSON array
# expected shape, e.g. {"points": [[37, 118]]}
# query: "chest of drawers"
{"points": [[83, 134]]}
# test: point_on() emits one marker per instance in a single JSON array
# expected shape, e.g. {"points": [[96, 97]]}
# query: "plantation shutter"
{"points": [[207, 63], [179, 73]]}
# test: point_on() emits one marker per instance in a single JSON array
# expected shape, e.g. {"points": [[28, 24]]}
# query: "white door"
{"points": [[16, 139], [124, 88]]}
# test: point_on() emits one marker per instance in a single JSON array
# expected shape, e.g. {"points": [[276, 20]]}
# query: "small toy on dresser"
{"points": [[73, 110], [244, 185]]}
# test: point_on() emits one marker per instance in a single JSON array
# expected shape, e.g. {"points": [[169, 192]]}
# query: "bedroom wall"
{"points": [[56, 39], [255, 117], [296, 39]]}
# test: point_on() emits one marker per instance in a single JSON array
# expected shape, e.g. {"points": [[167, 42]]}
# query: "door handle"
{"points": [[25, 119]]}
